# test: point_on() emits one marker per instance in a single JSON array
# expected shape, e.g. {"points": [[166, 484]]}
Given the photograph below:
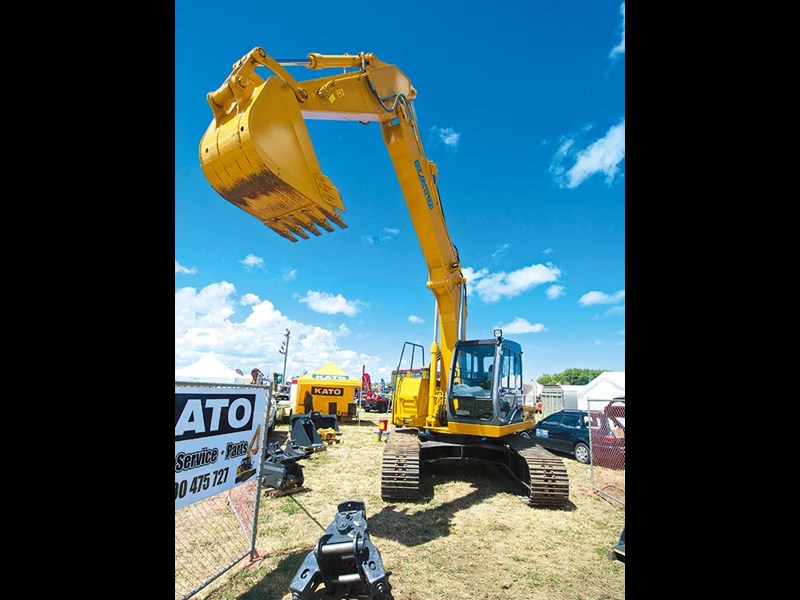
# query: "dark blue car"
{"points": [[569, 430], [565, 431]]}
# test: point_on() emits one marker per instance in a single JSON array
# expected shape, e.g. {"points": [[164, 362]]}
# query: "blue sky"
{"points": [[522, 108]]}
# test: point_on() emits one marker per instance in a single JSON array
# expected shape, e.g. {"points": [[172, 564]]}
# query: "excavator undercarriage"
{"points": [[540, 475]]}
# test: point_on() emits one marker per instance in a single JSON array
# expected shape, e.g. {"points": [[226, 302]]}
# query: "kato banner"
{"points": [[218, 435]]}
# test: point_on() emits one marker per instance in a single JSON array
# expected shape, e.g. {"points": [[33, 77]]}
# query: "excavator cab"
{"points": [[486, 382]]}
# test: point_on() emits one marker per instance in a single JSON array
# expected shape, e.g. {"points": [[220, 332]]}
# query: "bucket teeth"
{"points": [[325, 225], [296, 229], [296, 223], [300, 219], [333, 216], [319, 218], [282, 231]]}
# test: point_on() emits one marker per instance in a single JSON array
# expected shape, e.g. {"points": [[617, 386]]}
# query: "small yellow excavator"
{"points": [[467, 402]]}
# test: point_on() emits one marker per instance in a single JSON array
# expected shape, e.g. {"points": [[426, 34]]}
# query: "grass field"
{"points": [[472, 538]]}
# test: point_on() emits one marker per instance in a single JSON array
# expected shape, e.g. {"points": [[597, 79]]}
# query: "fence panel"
{"points": [[213, 535], [607, 447]]}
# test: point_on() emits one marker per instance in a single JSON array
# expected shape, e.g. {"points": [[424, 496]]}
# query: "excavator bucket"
{"points": [[258, 155], [303, 433]]}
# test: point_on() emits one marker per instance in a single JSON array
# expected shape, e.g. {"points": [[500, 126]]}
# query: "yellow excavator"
{"points": [[467, 403]]}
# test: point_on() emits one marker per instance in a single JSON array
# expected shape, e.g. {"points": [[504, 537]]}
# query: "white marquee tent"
{"points": [[606, 386], [209, 369]]}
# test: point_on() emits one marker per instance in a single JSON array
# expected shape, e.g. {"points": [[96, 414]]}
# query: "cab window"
{"points": [[510, 370]]}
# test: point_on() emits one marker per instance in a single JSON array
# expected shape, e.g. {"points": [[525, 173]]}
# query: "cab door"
{"points": [[509, 386]]}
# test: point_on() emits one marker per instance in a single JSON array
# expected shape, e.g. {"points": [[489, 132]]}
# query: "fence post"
{"points": [[262, 458]]}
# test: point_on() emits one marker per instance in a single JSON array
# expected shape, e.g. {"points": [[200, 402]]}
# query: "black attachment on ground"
{"points": [[344, 561], [279, 469], [303, 433]]}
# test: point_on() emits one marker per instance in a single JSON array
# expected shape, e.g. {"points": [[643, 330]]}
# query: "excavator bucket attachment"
{"points": [[257, 154], [303, 433]]}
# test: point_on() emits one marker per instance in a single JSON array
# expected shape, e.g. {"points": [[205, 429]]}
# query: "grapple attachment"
{"points": [[257, 154]]}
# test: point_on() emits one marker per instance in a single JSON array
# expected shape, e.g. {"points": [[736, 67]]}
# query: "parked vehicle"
{"points": [[284, 401], [569, 430], [373, 402]]}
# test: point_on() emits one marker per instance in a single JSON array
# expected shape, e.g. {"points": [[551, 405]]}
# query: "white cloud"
{"points": [[289, 274], [554, 291], [500, 250], [203, 323], [211, 306], [251, 260], [564, 148], [415, 319], [179, 268], [250, 299], [595, 297], [447, 135], [620, 48], [264, 315], [614, 310], [472, 275], [548, 251], [491, 287], [323, 302], [601, 156], [386, 233], [520, 325]]}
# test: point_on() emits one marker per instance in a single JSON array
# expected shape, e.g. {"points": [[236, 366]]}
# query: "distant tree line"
{"points": [[570, 377]]}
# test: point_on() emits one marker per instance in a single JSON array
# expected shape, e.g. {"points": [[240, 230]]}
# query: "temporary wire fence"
{"points": [[213, 535], [607, 447]]}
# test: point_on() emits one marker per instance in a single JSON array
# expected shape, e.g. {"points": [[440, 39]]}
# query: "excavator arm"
{"points": [[258, 155]]}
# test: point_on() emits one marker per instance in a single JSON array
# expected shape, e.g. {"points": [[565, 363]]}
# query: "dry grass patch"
{"points": [[472, 539]]}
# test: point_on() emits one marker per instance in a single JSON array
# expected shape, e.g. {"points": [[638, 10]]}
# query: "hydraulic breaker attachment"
{"points": [[303, 433], [344, 561], [280, 470]]}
